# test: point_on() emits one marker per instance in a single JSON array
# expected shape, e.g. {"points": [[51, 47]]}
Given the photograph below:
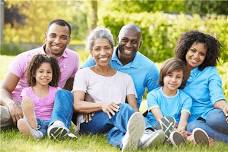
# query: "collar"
{"points": [[64, 55], [133, 63]]}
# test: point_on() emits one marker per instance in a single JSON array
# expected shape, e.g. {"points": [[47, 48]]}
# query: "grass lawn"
{"points": [[12, 141]]}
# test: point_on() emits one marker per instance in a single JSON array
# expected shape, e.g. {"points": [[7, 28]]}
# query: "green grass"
{"points": [[12, 140]]}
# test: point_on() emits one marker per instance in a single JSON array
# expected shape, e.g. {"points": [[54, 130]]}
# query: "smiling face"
{"points": [[196, 55], [43, 74], [172, 81], [102, 52], [129, 42], [56, 39]]}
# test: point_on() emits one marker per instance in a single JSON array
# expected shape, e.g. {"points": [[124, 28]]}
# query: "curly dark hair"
{"points": [[36, 62], [169, 66], [189, 38]]}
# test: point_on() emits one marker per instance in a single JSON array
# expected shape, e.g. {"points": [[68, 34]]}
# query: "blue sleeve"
{"points": [[187, 104], [88, 63], [151, 100], [215, 87], [152, 78]]}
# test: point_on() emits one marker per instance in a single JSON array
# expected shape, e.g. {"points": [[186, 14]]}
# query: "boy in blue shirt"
{"points": [[168, 101]]}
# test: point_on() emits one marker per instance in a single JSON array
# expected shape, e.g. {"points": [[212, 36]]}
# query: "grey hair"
{"points": [[99, 33]]}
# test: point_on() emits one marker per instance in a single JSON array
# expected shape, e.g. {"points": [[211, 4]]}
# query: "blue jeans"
{"points": [[63, 107], [214, 124], [115, 127], [43, 125]]}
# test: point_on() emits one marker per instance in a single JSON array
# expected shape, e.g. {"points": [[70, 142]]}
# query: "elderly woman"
{"points": [[109, 89]]}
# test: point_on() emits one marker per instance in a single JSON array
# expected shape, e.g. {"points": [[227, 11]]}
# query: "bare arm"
{"points": [[69, 84], [89, 107], [132, 101], [8, 86], [157, 113], [84, 106], [222, 104], [183, 121]]}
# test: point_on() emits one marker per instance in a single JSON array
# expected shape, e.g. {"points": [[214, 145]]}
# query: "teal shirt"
{"points": [[205, 88], [168, 105], [143, 71]]}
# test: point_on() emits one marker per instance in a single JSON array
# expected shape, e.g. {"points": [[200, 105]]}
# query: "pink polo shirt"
{"points": [[68, 63]]}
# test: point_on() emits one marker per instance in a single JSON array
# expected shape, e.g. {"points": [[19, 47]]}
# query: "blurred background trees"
{"points": [[162, 21]]}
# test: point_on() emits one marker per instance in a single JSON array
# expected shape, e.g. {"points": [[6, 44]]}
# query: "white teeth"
{"points": [[56, 46], [103, 59]]}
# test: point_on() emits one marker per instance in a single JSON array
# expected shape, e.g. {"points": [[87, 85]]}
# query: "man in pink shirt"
{"points": [[57, 38]]}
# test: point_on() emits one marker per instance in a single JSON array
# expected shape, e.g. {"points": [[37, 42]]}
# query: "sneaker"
{"points": [[135, 130], [152, 138], [57, 130], [167, 125], [24, 127], [71, 136], [200, 136], [176, 138]]}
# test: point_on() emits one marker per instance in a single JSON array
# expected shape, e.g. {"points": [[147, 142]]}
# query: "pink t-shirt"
{"points": [[43, 106], [68, 63]]}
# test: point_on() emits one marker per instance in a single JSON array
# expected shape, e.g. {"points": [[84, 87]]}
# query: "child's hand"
{"points": [[183, 132]]}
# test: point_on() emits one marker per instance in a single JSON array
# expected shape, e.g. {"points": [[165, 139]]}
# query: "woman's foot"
{"points": [[200, 136], [135, 130]]}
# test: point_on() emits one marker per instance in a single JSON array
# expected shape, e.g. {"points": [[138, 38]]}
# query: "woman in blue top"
{"points": [[209, 109]]}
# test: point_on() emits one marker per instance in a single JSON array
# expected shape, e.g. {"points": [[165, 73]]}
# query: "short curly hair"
{"points": [[36, 62], [189, 38]]}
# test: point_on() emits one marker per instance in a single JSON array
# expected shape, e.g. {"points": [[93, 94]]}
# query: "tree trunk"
{"points": [[94, 14], [1, 23]]}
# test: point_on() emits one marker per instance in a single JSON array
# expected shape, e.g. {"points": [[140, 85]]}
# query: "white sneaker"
{"points": [[135, 130], [57, 130], [176, 138], [167, 125], [152, 138], [200, 136]]}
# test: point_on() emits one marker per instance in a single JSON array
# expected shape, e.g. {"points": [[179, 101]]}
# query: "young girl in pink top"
{"points": [[38, 99]]}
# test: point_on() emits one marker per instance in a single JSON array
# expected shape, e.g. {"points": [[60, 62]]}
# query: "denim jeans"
{"points": [[63, 107], [214, 124], [43, 125], [115, 127]]}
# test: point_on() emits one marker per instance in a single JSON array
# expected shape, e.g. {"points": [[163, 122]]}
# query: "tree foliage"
{"points": [[201, 7], [161, 30], [36, 16]]}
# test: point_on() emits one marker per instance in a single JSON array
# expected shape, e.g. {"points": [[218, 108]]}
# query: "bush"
{"points": [[161, 31], [10, 49]]}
